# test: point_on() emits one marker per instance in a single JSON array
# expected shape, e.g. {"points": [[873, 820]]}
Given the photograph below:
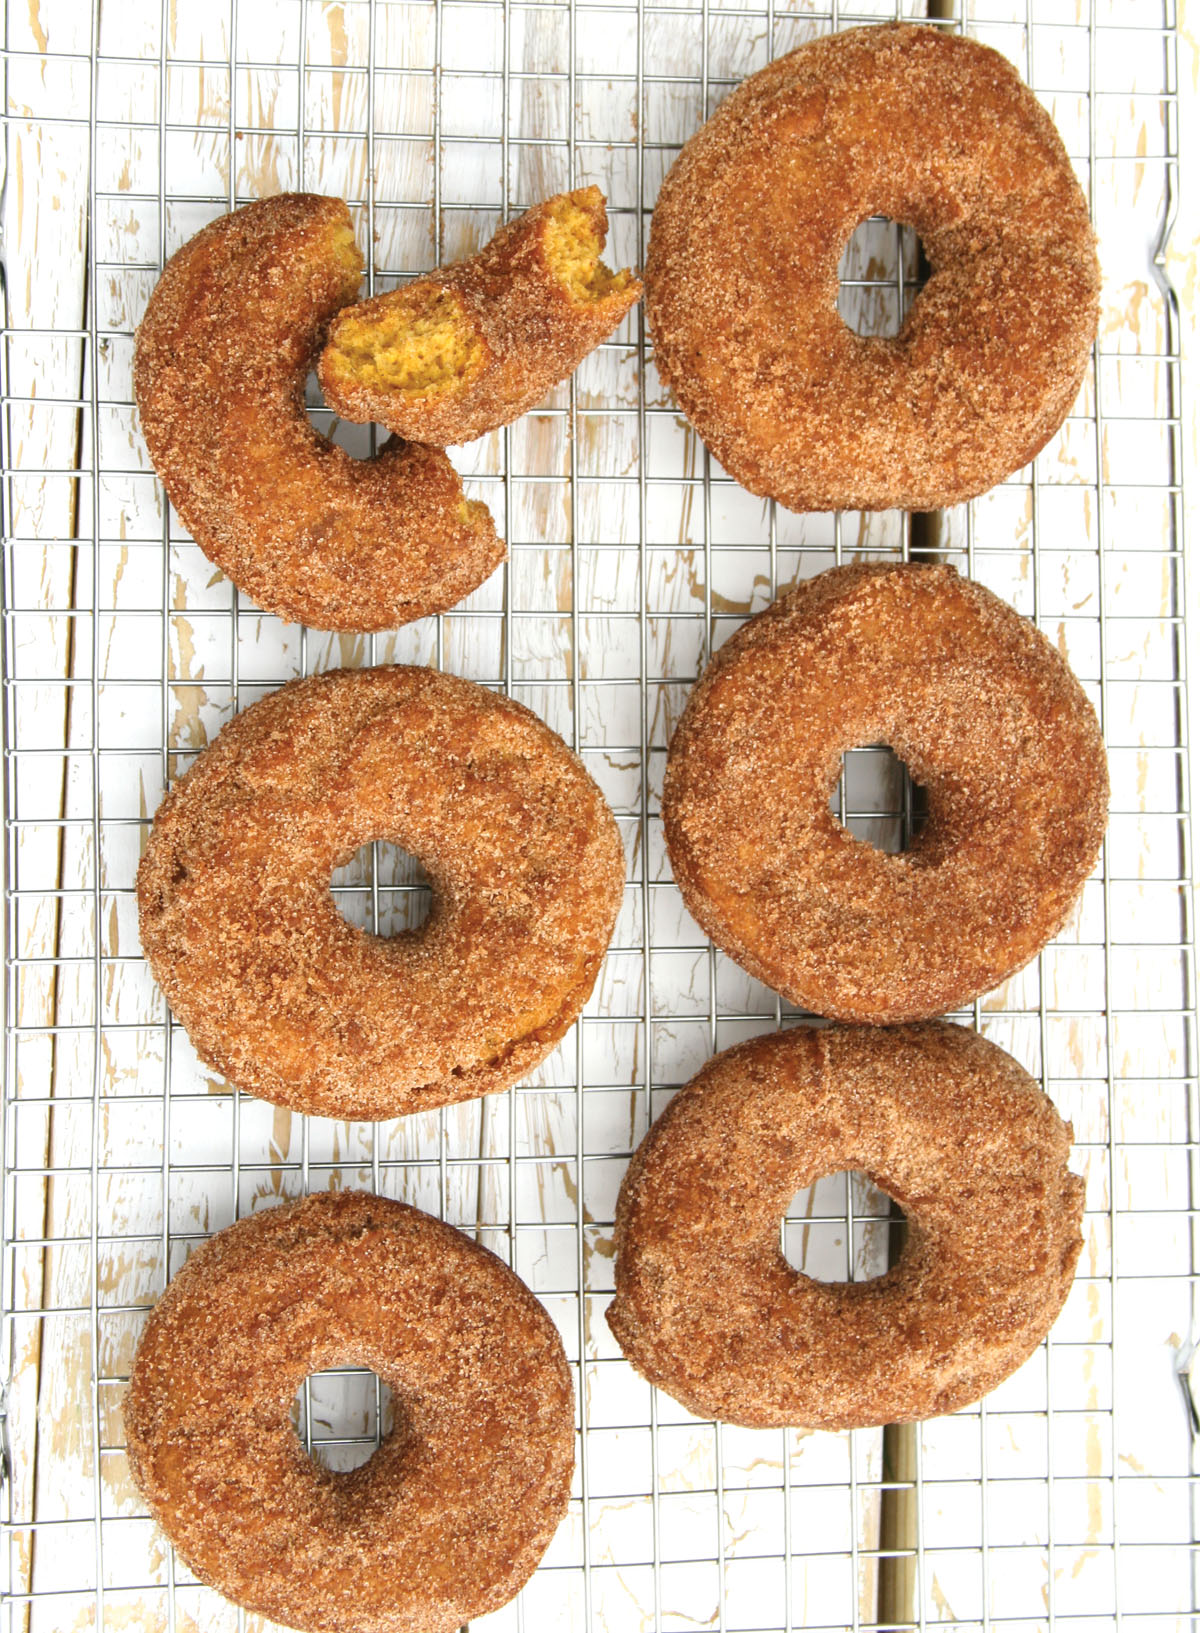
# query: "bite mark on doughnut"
{"points": [[573, 241]]}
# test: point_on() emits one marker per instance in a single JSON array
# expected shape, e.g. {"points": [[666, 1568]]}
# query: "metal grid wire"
{"points": [[1066, 1497]]}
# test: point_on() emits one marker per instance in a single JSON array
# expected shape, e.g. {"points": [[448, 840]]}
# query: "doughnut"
{"points": [[229, 336], [927, 128], [708, 1308], [472, 346], [989, 721], [453, 1511], [291, 1002]]}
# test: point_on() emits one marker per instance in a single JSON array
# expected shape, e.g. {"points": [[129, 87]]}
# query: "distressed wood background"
{"points": [[1067, 1495]]}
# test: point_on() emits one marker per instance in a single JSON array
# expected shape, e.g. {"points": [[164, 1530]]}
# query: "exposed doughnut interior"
{"points": [[418, 341], [345, 248], [572, 248]]}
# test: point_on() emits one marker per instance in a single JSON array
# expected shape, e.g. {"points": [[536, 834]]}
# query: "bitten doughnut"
{"points": [[473, 345], [990, 722], [453, 1511], [708, 1308], [232, 329], [290, 1001], [924, 127]]}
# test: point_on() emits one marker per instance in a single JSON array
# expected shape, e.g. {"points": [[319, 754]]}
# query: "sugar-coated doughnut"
{"points": [[290, 1001], [928, 128], [474, 345], [990, 722], [452, 1513], [708, 1308], [230, 334]]}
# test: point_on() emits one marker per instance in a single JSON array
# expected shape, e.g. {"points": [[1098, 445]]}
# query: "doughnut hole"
{"points": [[879, 276], [877, 800], [341, 1416], [383, 889], [842, 1228]]}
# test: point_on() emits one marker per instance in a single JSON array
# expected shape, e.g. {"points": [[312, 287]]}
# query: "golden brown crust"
{"points": [[223, 352], [927, 128], [532, 333], [990, 722], [451, 1514], [950, 1126], [294, 1004]]}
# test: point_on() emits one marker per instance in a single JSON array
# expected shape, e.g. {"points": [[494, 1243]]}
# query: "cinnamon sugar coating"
{"points": [[291, 1002], [223, 352], [450, 1515], [708, 1308], [924, 127], [529, 307], [990, 722]]}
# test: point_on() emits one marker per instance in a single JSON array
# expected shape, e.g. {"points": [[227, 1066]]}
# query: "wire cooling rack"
{"points": [[1065, 1497]]}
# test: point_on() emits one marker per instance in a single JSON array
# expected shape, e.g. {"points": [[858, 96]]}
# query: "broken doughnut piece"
{"points": [[474, 345]]}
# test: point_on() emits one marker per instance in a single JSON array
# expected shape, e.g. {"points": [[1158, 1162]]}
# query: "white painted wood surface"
{"points": [[1065, 1495]]}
